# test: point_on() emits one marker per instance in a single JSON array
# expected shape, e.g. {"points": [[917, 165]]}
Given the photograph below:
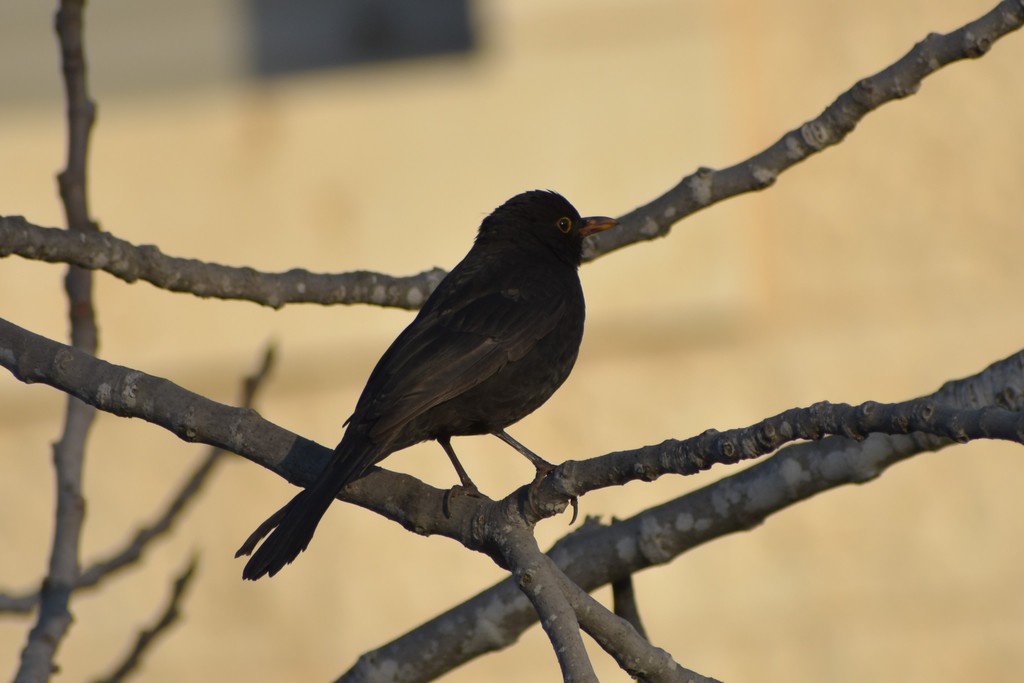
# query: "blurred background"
{"points": [[336, 135]]}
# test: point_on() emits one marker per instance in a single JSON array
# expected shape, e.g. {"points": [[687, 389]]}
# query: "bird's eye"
{"points": [[564, 224]]}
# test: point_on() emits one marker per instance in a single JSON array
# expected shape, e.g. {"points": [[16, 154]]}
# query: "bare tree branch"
{"points": [[487, 525], [131, 393], [102, 251], [903, 78], [700, 453], [538, 579], [695, 192], [148, 636], [630, 649], [54, 617], [595, 555], [132, 551], [792, 475]]}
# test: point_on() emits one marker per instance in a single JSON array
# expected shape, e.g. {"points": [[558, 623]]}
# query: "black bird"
{"points": [[492, 343]]}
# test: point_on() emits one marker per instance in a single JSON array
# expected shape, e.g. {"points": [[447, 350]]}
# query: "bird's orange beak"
{"points": [[594, 224]]}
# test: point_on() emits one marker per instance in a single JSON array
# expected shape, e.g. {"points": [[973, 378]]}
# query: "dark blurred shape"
{"points": [[314, 34]]}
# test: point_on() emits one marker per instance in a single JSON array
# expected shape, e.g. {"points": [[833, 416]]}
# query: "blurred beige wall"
{"points": [[876, 270]]}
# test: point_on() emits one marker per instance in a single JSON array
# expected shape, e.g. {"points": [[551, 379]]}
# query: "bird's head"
{"points": [[541, 219]]}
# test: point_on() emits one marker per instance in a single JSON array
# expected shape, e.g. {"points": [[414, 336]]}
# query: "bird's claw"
{"points": [[543, 471], [458, 490]]}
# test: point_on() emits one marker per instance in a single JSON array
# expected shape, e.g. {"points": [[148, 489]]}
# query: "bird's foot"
{"points": [[458, 490], [542, 471]]}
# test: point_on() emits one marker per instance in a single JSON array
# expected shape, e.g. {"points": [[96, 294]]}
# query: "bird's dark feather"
{"points": [[450, 352]]}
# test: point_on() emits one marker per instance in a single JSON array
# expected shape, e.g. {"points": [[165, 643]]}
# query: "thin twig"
{"points": [[624, 603], [130, 393], [186, 494], [147, 637], [132, 551], [54, 617]]}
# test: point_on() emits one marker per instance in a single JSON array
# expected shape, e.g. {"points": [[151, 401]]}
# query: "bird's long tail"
{"points": [[291, 528]]}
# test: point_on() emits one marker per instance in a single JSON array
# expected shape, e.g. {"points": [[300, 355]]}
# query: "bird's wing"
{"points": [[449, 351]]}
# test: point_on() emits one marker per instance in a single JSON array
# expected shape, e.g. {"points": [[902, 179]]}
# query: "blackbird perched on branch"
{"points": [[491, 344]]}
